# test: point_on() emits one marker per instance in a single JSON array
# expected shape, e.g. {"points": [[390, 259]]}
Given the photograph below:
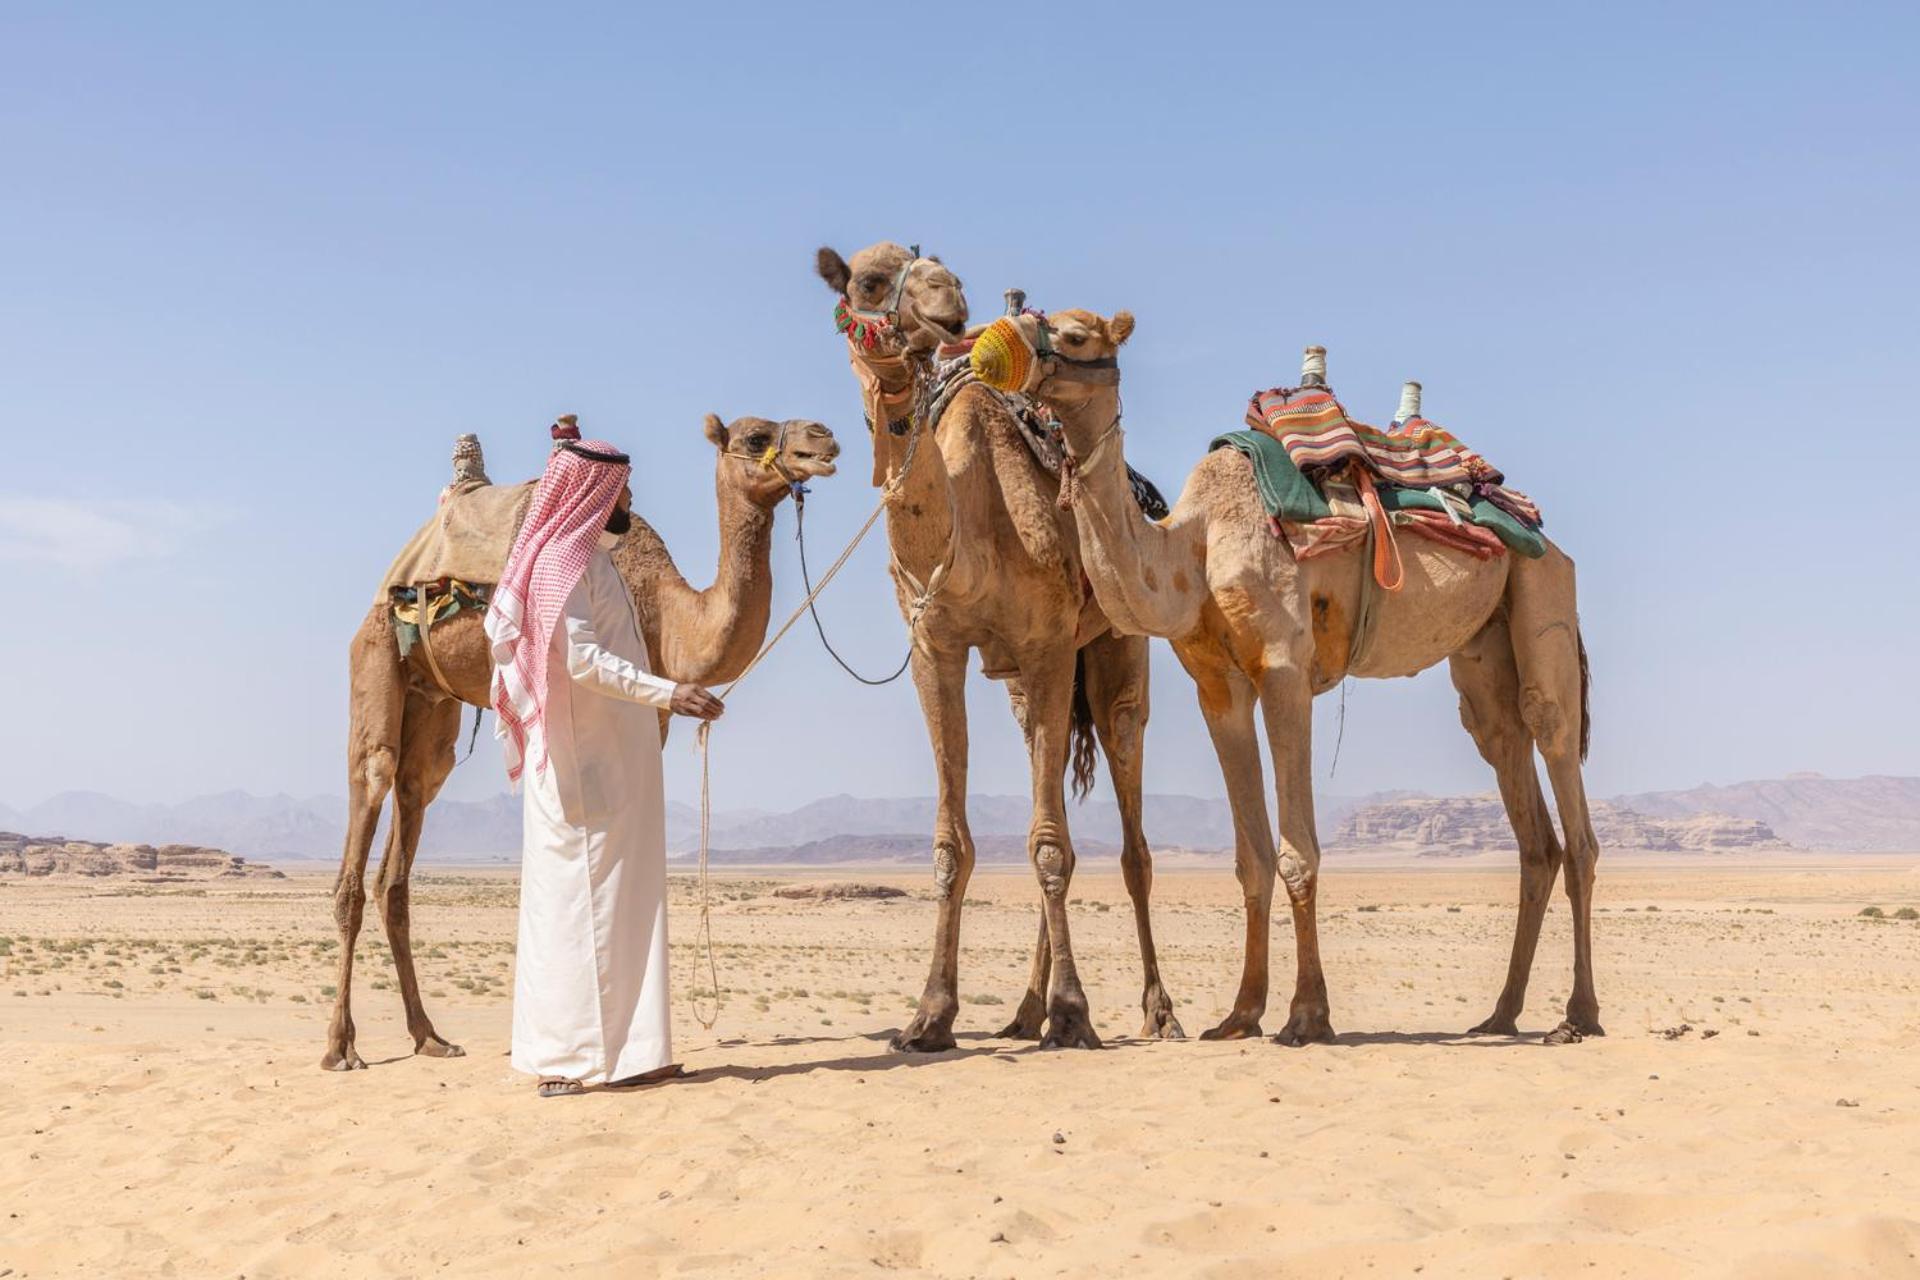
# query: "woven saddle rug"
{"points": [[1314, 428]]}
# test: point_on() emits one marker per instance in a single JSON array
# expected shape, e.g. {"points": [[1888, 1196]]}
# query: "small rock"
{"points": [[1059, 1138], [1845, 1102], [1708, 1035], [999, 1237]]}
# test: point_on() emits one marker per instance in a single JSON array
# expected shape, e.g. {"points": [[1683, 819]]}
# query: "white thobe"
{"points": [[590, 985]]}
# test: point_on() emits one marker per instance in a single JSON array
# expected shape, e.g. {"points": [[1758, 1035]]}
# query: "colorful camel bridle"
{"points": [[1006, 360], [865, 327]]}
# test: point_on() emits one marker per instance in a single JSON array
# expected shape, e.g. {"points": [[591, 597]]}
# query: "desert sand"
{"points": [[164, 1113]]}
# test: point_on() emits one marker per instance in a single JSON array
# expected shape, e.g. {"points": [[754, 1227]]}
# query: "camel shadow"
{"points": [[977, 1044], [1451, 1039]]}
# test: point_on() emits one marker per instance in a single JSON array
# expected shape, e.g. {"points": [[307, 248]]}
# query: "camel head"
{"points": [[909, 302], [768, 459], [1066, 358]]}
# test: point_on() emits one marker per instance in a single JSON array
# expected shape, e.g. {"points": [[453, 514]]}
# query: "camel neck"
{"points": [[735, 608], [1145, 574], [919, 498]]}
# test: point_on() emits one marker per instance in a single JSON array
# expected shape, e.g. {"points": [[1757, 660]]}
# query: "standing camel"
{"points": [[405, 721], [1251, 624], [983, 559]]}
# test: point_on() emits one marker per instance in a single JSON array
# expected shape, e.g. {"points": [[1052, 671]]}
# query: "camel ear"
{"points": [[716, 431], [833, 269], [1120, 328]]}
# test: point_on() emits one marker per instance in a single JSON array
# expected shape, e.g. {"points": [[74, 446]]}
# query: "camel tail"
{"points": [[1586, 697], [1080, 730]]}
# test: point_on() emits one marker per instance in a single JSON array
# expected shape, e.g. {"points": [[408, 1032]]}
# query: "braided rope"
{"points": [[703, 935]]}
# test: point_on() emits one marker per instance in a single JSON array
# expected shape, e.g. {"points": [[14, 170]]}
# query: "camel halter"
{"points": [[1006, 360], [769, 459], [890, 314]]}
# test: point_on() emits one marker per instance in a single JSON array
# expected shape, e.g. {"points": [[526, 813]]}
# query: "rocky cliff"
{"points": [[57, 856], [1470, 824]]}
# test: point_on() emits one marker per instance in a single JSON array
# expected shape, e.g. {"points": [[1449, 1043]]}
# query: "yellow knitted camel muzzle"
{"points": [[1002, 358]]}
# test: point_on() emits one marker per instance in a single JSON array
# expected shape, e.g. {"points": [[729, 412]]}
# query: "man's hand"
{"points": [[692, 700]]}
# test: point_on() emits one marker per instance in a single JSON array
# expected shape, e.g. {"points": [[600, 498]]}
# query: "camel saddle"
{"points": [[467, 539]]}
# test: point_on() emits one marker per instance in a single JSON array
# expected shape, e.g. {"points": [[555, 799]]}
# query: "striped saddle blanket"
{"points": [[1314, 429]]}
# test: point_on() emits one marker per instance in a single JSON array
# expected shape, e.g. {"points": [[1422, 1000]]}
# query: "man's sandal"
{"points": [[560, 1087]]}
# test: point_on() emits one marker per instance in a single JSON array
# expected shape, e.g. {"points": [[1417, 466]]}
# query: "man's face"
{"points": [[620, 519]]}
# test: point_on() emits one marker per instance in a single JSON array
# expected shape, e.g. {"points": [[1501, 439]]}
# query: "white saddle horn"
{"points": [[1313, 367], [1409, 402]]}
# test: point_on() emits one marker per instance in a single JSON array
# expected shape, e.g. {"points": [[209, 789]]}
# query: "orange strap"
{"points": [[1388, 570]]}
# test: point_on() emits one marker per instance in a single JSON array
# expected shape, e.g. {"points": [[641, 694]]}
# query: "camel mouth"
{"points": [[819, 464]]}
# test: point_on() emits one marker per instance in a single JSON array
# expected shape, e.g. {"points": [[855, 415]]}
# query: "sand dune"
{"points": [[165, 1115]]}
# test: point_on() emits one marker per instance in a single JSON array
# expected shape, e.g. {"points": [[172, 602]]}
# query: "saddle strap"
{"points": [[1388, 569], [426, 643]]}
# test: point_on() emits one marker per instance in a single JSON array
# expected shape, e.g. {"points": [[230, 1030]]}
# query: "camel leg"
{"points": [[426, 757], [375, 707], [1286, 700], [1116, 686], [1031, 1017], [1227, 702], [1546, 642], [1048, 679], [1489, 684], [940, 677]]}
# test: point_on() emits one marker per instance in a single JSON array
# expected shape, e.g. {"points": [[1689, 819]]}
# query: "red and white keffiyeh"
{"points": [[569, 511]]}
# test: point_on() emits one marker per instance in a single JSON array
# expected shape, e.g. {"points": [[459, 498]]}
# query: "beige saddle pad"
{"points": [[468, 538]]}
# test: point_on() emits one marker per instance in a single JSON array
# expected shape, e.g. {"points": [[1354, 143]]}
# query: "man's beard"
{"points": [[620, 521]]}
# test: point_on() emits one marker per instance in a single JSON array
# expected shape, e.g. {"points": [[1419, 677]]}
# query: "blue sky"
{"points": [[259, 265]]}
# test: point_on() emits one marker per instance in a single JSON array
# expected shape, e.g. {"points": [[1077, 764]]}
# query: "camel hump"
{"points": [[467, 538]]}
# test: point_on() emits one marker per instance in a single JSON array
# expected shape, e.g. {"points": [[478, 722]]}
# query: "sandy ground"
{"points": [[165, 1115]]}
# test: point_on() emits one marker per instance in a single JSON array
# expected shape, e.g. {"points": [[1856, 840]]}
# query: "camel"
{"points": [[405, 723], [1253, 625], [983, 559]]}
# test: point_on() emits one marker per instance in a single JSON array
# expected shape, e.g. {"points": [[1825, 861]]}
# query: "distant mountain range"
{"points": [[1804, 810]]}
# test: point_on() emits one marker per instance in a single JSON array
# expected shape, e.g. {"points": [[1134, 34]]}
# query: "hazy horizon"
{"points": [[269, 263], [1321, 788]]}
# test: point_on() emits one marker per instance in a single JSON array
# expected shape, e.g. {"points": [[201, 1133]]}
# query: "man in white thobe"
{"points": [[590, 998]]}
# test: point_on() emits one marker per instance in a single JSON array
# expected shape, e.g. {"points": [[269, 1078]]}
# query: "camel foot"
{"points": [[924, 1035], [1028, 1019], [1497, 1025], [343, 1060], [1238, 1026], [1573, 1031], [1069, 1027], [1306, 1026], [1160, 1023], [434, 1047]]}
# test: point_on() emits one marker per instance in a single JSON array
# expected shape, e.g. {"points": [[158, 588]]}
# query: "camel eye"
{"points": [[870, 284], [758, 444]]}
